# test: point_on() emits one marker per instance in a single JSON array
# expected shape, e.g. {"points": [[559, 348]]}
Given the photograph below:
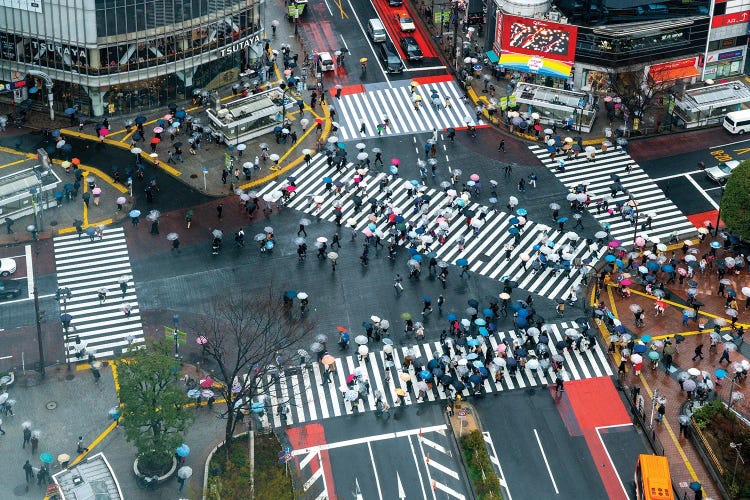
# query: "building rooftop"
{"points": [[90, 479]]}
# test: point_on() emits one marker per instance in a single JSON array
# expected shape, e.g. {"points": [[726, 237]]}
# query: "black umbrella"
{"points": [[560, 344], [432, 364], [177, 144], [614, 177], [343, 50], [357, 200], [446, 379], [458, 385], [510, 283], [543, 339], [468, 213], [511, 362], [473, 303]]}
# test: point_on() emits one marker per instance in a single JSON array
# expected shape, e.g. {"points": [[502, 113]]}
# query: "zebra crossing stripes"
{"points": [[309, 399], [666, 217], [372, 106], [484, 251], [84, 266]]}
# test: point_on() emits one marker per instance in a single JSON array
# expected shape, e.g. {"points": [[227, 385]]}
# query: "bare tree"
{"points": [[639, 89], [245, 333]]}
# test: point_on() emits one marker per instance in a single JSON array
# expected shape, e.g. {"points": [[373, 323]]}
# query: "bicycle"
{"points": [[147, 482]]}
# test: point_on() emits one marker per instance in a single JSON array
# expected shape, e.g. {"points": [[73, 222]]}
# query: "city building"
{"points": [[108, 57]]}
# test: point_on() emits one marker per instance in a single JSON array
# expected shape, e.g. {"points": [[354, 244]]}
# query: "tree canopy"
{"points": [[735, 203], [153, 406]]}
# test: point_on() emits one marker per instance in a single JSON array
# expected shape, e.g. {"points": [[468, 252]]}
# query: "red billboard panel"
{"points": [[540, 38]]}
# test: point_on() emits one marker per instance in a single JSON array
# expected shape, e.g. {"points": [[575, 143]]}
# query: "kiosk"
{"points": [[248, 117], [563, 107], [709, 105]]}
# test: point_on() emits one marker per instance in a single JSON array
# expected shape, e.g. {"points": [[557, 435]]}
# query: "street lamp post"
{"points": [[634, 205], [62, 295], [718, 214], [176, 322], [284, 87]]}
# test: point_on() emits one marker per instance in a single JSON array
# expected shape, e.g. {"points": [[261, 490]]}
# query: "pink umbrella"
{"points": [[395, 161], [681, 271], [206, 383], [615, 243], [97, 191], [367, 232], [103, 132], [201, 340], [626, 282], [158, 130], [167, 117], [474, 177], [501, 348], [290, 189], [640, 241]]}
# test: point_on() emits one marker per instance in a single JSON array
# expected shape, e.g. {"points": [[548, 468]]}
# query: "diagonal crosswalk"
{"points": [[373, 105], [666, 217], [485, 251], [308, 398], [84, 266]]}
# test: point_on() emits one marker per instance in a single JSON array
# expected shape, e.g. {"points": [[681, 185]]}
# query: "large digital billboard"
{"points": [[550, 40]]}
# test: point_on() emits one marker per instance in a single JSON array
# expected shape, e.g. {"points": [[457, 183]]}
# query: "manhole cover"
{"points": [[51, 405], [193, 176], [53, 223]]}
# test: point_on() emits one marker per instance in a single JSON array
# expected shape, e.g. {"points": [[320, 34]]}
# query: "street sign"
{"points": [[171, 332], [461, 413], [285, 458]]}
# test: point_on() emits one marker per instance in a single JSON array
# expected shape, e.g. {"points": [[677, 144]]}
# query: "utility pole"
{"points": [[38, 317]]}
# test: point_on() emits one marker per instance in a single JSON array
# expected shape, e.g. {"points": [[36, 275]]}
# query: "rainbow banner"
{"points": [[535, 64]]}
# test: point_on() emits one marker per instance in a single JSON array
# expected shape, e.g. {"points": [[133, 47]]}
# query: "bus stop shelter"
{"points": [[247, 118], [709, 105]]}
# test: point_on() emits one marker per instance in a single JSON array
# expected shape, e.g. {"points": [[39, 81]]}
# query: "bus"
{"points": [[652, 479], [738, 122]]}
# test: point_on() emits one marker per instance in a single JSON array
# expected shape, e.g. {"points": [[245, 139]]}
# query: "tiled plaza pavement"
{"points": [[668, 325]]}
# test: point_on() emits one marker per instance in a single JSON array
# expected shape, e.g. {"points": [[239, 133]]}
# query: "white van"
{"points": [[738, 122], [376, 30]]}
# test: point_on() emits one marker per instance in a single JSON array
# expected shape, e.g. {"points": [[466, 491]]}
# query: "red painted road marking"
{"points": [[424, 80], [388, 16], [313, 435], [698, 220], [347, 89], [596, 403]]}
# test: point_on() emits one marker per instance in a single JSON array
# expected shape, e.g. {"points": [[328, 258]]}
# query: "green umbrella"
{"points": [[405, 316], [653, 355], [401, 226]]}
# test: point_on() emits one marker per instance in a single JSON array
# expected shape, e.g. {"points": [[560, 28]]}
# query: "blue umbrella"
{"points": [[476, 363], [134, 213], [536, 248], [522, 212], [472, 356], [645, 339], [327, 180], [394, 169], [399, 219], [451, 317], [67, 148], [610, 258], [257, 407], [46, 457], [472, 343], [269, 245], [341, 145], [183, 450], [55, 133], [487, 312], [371, 226], [650, 278], [667, 268], [551, 149], [652, 265], [432, 255], [345, 336], [70, 111], [562, 220], [475, 379], [432, 364], [90, 231], [720, 373], [193, 393], [418, 258], [521, 322], [180, 114], [480, 322], [550, 243], [425, 375], [414, 182], [514, 230], [715, 244], [522, 313], [639, 348], [413, 252], [419, 230], [514, 220], [483, 331], [483, 371], [462, 262], [290, 294], [140, 119]]}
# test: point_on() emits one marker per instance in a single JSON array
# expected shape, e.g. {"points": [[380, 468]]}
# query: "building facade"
{"points": [[109, 57]]}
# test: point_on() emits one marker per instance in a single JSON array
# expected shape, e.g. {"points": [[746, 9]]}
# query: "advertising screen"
{"points": [[542, 38]]}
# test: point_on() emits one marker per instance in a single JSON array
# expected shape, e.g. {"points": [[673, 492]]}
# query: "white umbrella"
{"points": [[532, 364], [184, 472], [274, 157], [302, 296], [360, 339], [363, 350]]}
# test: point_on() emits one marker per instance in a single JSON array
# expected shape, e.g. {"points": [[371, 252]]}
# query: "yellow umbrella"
{"points": [[400, 392], [414, 83], [363, 60]]}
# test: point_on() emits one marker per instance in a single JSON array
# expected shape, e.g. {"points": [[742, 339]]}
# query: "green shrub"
{"points": [[480, 469], [703, 416]]}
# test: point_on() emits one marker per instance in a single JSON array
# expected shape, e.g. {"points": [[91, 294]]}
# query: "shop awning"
{"points": [[492, 56], [669, 75], [535, 64]]}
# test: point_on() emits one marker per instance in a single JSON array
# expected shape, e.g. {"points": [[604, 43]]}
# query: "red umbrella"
{"points": [[75, 161], [319, 121], [537, 127], [341, 329], [155, 140], [206, 383], [291, 189]]}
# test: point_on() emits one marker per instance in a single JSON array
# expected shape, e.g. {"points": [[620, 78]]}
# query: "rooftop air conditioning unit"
{"points": [[222, 113], [553, 16]]}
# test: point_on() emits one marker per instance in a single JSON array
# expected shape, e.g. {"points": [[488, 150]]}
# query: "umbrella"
{"points": [[636, 358], [653, 355], [360, 339], [689, 385], [316, 347], [363, 350], [184, 472], [302, 296], [328, 360], [217, 233], [183, 450], [134, 213], [46, 457]]}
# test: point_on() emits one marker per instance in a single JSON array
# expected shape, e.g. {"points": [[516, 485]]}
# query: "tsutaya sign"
{"points": [[38, 46], [237, 46]]}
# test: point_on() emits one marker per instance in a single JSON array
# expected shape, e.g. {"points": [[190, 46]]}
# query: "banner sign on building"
{"points": [[535, 37], [730, 19]]}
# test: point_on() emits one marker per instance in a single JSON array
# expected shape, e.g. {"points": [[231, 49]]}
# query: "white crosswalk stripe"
{"points": [[666, 217], [484, 251], [307, 398], [371, 106], [84, 267]]}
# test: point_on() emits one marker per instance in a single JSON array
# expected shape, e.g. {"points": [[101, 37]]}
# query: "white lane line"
{"points": [[416, 464], [609, 456], [29, 269], [728, 144], [375, 469], [702, 192], [442, 468], [368, 439], [433, 444], [449, 491], [496, 461], [312, 479], [544, 456]]}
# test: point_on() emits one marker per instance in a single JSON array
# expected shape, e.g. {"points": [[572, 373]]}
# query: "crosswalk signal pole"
{"points": [[176, 321]]}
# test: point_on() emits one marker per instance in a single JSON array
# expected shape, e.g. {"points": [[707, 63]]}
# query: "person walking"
{"points": [[219, 210], [397, 284], [698, 352], [501, 147], [1, 427], [124, 288], [724, 356], [440, 302], [80, 448], [427, 305], [154, 226], [335, 241], [188, 218], [661, 411], [26, 437], [29, 470], [559, 384]]}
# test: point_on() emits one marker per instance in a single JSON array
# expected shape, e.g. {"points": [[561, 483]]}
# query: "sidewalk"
{"points": [[685, 462]]}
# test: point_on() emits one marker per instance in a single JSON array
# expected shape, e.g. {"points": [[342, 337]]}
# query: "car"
{"points": [[395, 3], [389, 56], [7, 267], [9, 289], [406, 23], [411, 48], [721, 172], [325, 61]]}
